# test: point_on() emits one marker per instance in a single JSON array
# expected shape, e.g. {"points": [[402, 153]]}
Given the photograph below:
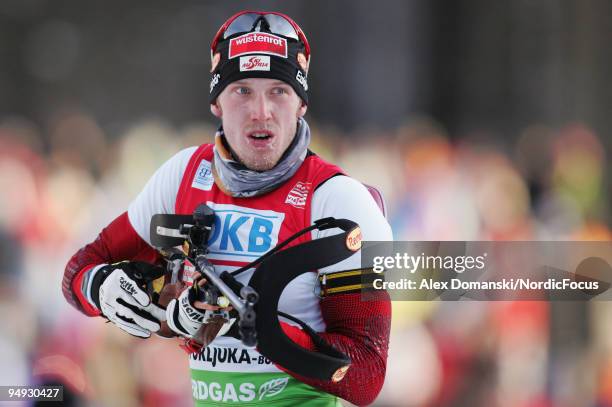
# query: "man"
{"points": [[264, 185]]}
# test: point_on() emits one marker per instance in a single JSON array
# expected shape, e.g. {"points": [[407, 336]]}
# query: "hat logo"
{"points": [[214, 81], [302, 80], [255, 63], [258, 43]]}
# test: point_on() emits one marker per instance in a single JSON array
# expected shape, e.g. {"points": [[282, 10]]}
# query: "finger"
{"points": [[142, 297], [130, 287], [157, 312], [144, 323], [130, 299], [195, 278], [146, 320], [172, 318], [205, 306], [131, 328], [140, 317]]}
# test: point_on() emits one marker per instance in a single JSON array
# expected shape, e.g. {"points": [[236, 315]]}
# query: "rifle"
{"points": [[256, 304]]}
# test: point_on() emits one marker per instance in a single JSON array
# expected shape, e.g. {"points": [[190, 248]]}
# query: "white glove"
{"points": [[122, 300], [185, 319]]}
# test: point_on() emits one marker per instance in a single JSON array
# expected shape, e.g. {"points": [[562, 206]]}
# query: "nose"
{"points": [[261, 108]]}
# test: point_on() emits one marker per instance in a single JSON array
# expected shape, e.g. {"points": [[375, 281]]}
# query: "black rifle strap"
{"points": [[271, 278]]}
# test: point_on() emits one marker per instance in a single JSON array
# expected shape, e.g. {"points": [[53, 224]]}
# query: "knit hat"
{"points": [[253, 44]]}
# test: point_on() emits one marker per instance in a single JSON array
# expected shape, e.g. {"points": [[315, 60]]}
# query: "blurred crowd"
{"points": [[61, 184]]}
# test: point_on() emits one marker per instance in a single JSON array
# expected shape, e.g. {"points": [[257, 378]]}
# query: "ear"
{"points": [[302, 109], [216, 109]]}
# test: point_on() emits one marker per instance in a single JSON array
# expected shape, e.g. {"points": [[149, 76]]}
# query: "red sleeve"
{"points": [[117, 242], [361, 330]]}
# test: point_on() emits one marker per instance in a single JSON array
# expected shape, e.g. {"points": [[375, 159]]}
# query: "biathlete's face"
{"points": [[259, 117]]}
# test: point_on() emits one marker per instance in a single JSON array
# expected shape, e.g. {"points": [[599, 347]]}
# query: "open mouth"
{"points": [[260, 135]]}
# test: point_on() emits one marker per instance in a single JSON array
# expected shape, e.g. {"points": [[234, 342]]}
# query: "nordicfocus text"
{"points": [[505, 284]]}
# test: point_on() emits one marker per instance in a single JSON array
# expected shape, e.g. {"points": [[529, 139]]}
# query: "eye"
{"points": [[242, 90], [279, 91]]}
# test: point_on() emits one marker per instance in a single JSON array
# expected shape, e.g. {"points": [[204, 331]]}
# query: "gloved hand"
{"points": [[197, 320], [118, 292]]}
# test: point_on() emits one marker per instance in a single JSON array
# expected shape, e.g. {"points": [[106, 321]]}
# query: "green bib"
{"points": [[255, 389]]}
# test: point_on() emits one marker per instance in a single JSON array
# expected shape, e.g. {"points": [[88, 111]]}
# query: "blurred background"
{"points": [[478, 120]]}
